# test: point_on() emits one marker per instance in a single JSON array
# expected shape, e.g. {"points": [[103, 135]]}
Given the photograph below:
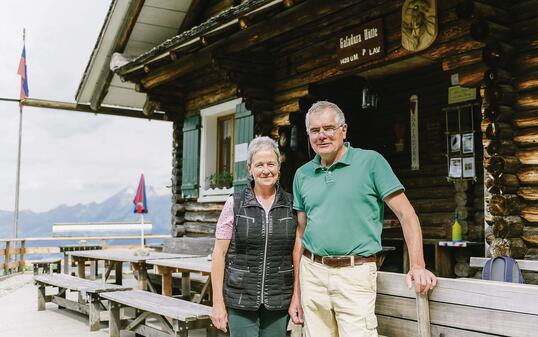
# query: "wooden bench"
{"points": [[89, 301], [456, 308], [174, 317], [47, 266], [526, 265]]}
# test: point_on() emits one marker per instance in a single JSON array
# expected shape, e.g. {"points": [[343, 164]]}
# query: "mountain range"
{"points": [[118, 207]]}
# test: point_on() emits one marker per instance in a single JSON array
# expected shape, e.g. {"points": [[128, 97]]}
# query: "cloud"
{"points": [[68, 157]]}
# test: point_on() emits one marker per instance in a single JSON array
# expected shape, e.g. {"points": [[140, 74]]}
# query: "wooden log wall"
{"points": [[525, 119], [178, 209], [306, 56], [433, 197], [231, 76], [491, 70]]}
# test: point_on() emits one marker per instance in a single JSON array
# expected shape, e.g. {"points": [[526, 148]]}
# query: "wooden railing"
{"points": [[13, 252]]}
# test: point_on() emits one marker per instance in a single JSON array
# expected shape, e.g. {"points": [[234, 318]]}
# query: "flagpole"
{"points": [[17, 186], [142, 230]]}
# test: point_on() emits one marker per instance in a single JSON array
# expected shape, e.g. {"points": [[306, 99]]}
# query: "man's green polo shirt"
{"points": [[344, 202]]}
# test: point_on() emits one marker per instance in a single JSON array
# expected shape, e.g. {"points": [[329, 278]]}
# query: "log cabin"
{"points": [[447, 91]]}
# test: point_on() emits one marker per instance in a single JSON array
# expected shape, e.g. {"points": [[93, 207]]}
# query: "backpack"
{"points": [[502, 268]]}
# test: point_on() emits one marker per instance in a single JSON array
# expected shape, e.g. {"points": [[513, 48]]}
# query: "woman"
{"points": [[252, 271]]}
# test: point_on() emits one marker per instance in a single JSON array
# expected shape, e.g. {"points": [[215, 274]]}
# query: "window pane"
{"points": [[225, 145]]}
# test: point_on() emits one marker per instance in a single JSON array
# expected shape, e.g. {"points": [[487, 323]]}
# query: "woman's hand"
{"points": [[296, 310], [219, 316]]}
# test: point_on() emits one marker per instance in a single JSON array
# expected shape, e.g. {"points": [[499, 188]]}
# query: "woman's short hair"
{"points": [[322, 106], [262, 143]]}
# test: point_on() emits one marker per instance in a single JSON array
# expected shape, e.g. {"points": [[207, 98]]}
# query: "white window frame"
{"points": [[208, 150]]}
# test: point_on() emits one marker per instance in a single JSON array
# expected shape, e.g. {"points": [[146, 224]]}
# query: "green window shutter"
{"points": [[191, 157], [244, 132]]}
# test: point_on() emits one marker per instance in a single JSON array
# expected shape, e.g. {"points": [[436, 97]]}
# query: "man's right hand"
{"points": [[219, 316], [296, 310]]}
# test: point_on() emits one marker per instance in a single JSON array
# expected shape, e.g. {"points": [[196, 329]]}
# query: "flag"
{"points": [[139, 201], [24, 77]]}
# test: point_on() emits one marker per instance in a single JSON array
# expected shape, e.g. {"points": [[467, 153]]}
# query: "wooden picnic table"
{"points": [[166, 267], [114, 259]]}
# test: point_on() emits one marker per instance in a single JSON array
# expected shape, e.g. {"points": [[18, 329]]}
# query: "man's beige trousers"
{"points": [[338, 302]]}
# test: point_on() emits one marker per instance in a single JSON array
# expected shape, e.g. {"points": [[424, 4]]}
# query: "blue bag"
{"points": [[502, 268]]}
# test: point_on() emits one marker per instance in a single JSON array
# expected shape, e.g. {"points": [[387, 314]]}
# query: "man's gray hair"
{"points": [[322, 106], [260, 144]]}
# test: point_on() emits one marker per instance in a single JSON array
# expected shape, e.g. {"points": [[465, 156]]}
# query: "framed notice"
{"points": [[454, 170], [467, 143], [455, 143], [468, 167]]}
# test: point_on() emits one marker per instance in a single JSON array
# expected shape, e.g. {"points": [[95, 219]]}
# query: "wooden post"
{"points": [[142, 275], [118, 272], [443, 261], [94, 266], [423, 316], [166, 281], [41, 299], [7, 258], [114, 324], [186, 285], [81, 267], [21, 256], [94, 313], [67, 264], [405, 257]]}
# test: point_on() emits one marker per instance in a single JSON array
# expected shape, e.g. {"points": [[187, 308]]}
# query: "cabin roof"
{"points": [[132, 28], [194, 34]]}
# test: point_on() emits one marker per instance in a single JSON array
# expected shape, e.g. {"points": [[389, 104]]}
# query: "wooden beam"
{"points": [[41, 103], [290, 19]]}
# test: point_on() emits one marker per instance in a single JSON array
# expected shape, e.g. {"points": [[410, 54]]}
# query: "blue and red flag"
{"points": [[139, 201], [24, 76]]}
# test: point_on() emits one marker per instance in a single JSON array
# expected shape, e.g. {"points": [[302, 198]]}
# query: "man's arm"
{"points": [[423, 279], [295, 309]]}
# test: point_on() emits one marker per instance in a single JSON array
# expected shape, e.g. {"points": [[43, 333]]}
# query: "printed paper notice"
{"points": [[468, 167], [240, 152], [455, 168]]}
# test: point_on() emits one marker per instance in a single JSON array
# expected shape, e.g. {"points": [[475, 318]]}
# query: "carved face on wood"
{"points": [[419, 24]]}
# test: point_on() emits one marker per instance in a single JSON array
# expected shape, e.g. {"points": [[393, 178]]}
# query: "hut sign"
{"points": [[361, 44]]}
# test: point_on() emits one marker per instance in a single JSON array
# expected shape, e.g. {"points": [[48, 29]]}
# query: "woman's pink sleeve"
{"points": [[225, 223]]}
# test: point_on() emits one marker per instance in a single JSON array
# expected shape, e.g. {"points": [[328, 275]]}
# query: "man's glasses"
{"points": [[328, 131]]}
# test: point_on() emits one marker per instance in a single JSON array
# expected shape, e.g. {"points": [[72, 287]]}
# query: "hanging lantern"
{"points": [[369, 98]]}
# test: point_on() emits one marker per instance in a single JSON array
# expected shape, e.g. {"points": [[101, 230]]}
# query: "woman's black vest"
{"points": [[259, 268]]}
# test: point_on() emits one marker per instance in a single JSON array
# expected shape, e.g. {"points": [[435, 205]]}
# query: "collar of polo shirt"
{"points": [[345, 160]]}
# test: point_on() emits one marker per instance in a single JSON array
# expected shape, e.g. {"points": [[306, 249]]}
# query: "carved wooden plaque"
{"points": [[419, 24]]}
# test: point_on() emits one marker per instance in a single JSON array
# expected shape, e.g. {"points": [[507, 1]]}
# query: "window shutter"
{"points": [[191, 157], [244, 132]]}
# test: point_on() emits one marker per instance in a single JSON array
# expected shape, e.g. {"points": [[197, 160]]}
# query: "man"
{"points": [[339, 198]]}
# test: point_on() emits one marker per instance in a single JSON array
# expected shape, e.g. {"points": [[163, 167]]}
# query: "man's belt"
{"points": [[339, 261]]}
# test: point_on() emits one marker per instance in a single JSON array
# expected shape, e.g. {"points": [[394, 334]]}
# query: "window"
{"points": [[217, 151]]}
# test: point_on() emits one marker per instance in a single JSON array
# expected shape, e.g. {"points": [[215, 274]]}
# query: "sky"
{"points": [[67, 157]]}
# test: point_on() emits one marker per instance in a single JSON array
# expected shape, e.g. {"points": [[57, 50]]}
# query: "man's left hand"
{"points": [[422, 278]]}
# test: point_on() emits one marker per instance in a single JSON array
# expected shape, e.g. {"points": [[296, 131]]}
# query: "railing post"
{"points": [[7, 258], [423, 315], [22, 263]]}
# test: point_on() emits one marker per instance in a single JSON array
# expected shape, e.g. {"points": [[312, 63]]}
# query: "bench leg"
{"points": [[95, 319], [66, 264], [114, 323], [118, 272], [41, 299], [62, 293]]}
